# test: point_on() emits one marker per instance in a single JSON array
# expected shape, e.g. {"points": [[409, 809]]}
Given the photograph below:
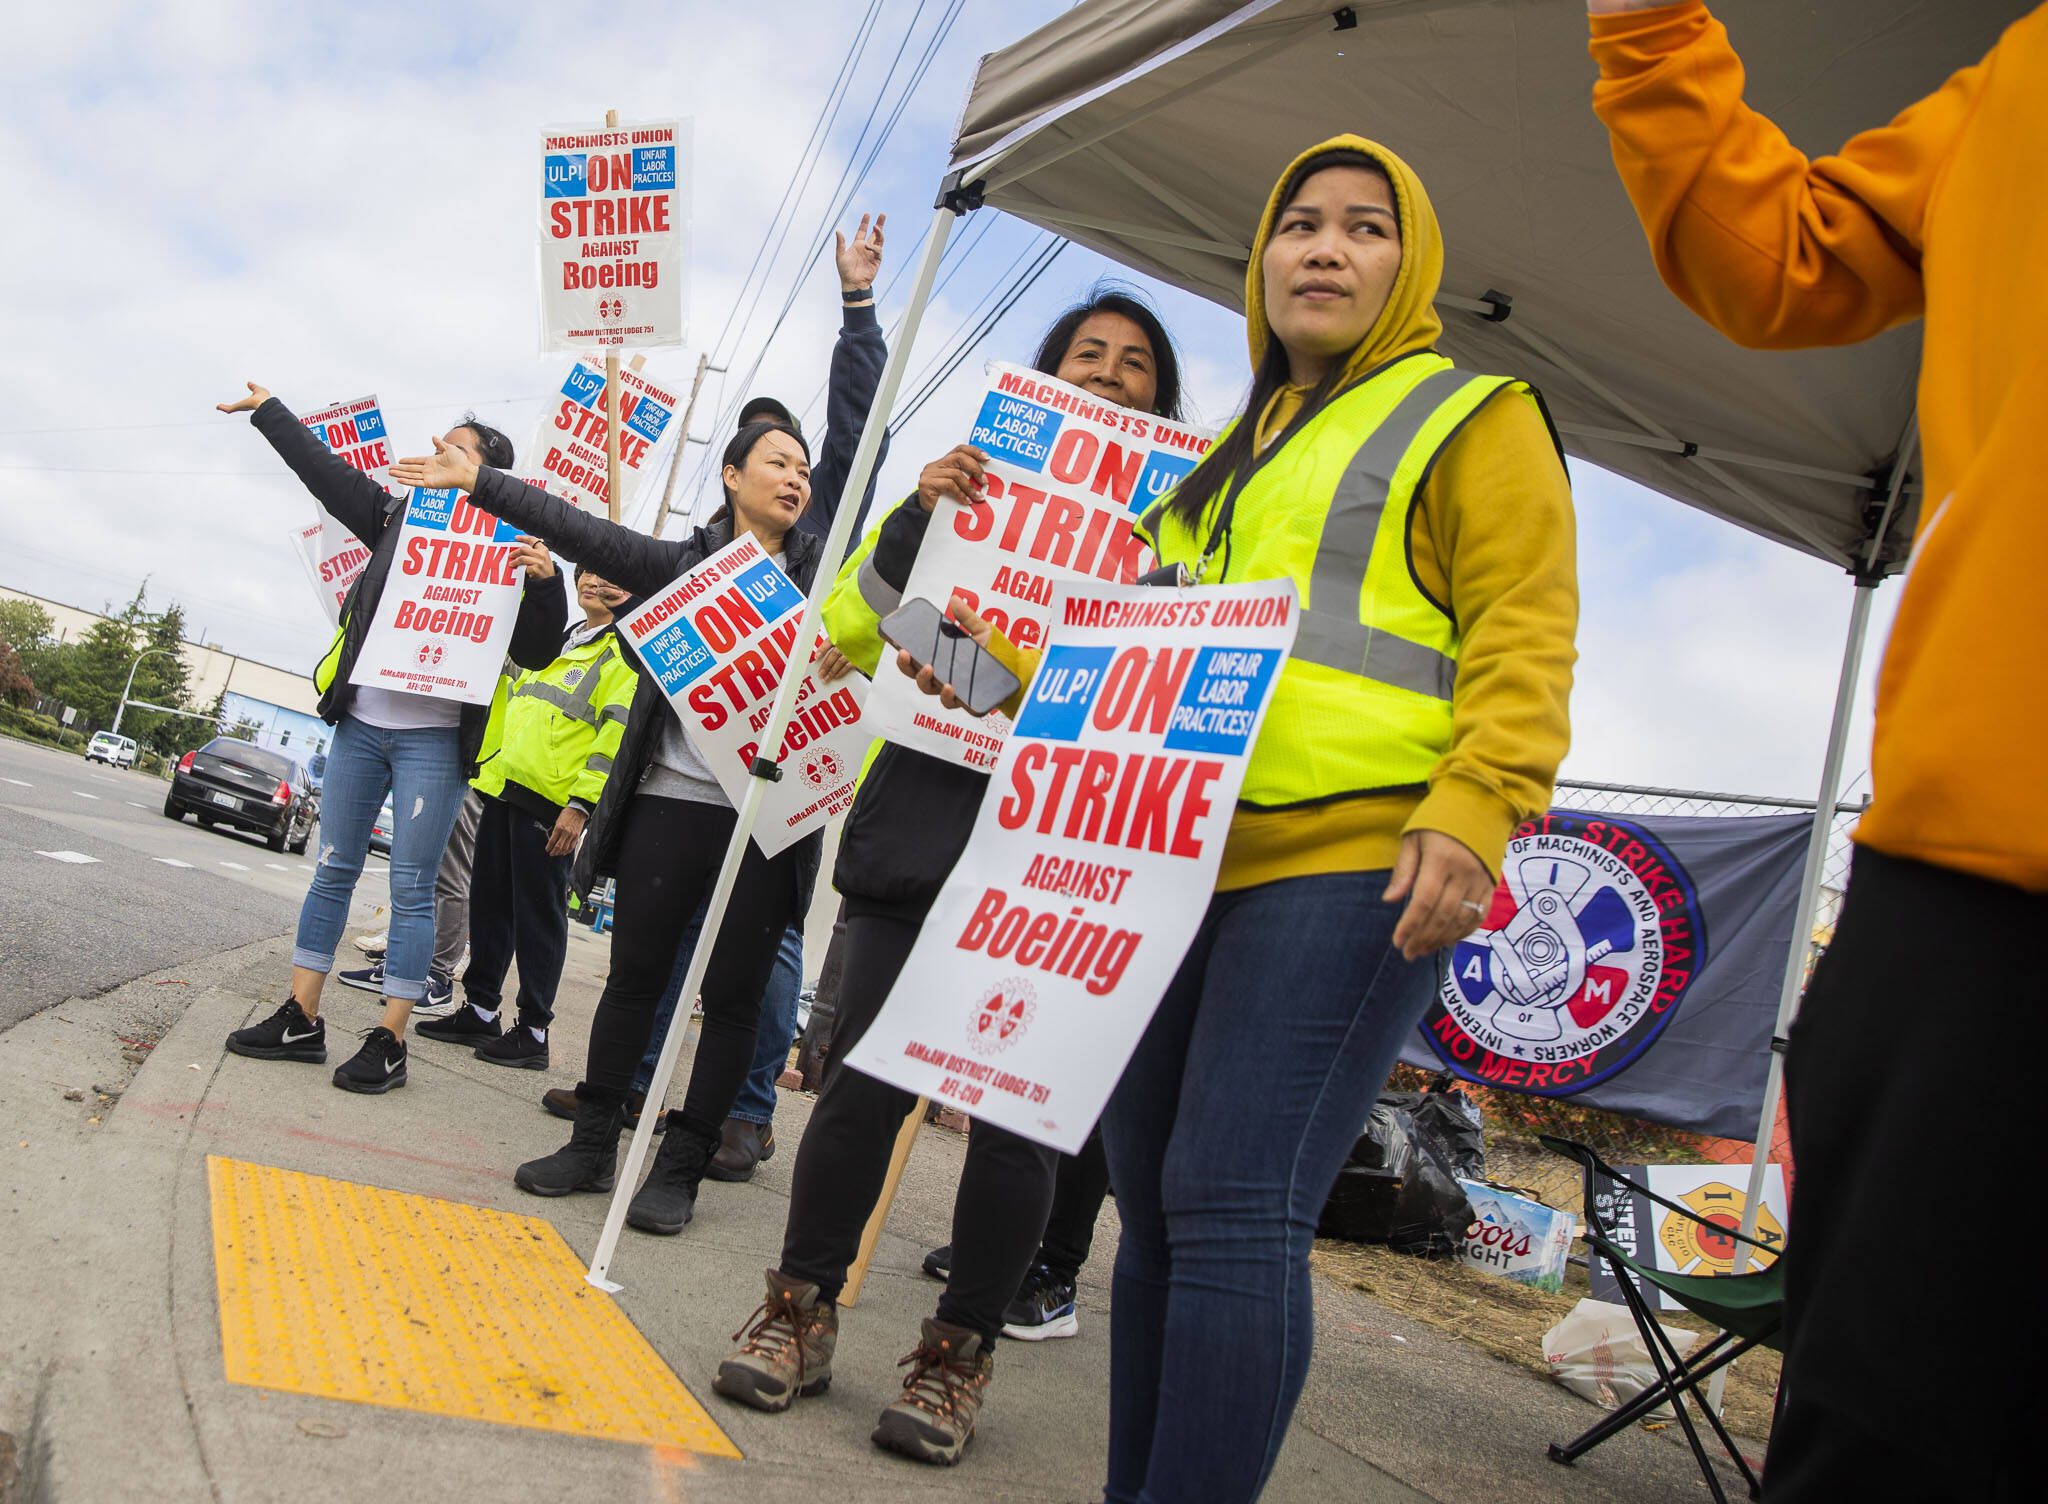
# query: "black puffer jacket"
{"points": [[373, 515], [642, 564]]}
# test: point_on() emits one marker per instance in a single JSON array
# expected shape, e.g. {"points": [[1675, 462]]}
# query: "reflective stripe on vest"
{"points": [[1331, 633], [878, 594], [575, 703]]}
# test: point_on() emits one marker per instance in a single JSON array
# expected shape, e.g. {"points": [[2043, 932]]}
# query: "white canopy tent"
{"points": [[1151, 131]]}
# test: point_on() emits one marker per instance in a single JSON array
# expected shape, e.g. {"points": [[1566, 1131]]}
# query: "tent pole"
{"points": [[771, 737], [1798, 953]]}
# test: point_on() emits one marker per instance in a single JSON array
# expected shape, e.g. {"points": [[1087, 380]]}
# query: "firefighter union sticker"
{"points": [[1002, 1016], [1593, 940]]}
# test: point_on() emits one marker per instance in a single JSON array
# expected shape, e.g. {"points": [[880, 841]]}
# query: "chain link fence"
{"points": [[1513, 1157]]}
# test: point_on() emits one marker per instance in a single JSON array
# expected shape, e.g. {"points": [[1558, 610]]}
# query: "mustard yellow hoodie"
{"points": [[1493, 537]]}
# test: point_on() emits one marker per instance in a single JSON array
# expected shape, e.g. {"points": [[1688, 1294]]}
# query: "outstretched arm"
{"points": [[626, 558], [1774, 250], [857, 360], [347, 495]]}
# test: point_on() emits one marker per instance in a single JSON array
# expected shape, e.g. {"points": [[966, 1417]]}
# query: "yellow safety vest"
{"points": [[556, 730], [1364, 703]]}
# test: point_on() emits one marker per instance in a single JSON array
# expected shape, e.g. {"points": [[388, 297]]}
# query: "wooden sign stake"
{"points": [[872, 1233]]}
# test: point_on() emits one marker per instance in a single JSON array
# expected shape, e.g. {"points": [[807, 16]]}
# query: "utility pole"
{"points": [[675, 468], [122, 709]]}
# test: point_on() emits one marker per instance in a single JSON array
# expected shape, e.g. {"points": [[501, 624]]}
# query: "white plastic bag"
{"points": [[1597, 1353]]}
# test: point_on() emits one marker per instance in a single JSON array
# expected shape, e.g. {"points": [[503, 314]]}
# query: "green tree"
{"points": [[16, 687], [29, 630], [89, 673], [162, 679]]}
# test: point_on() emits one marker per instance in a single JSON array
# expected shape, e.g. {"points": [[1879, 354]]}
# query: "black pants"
{"points": [[1005, 1189], [669, 857], [518, 906], [1078, 1186], [1908, 1351]]}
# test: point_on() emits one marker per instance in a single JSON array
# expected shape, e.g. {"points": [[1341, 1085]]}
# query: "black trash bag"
{"points": [[1399, 1188], [1447, 1117]]}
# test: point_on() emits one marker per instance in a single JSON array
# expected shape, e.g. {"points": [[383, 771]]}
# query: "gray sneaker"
{"points": [[933, 1419], [785, 1350]]}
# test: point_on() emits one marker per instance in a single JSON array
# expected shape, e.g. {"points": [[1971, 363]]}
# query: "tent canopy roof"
{"points": [[1152, 130]]}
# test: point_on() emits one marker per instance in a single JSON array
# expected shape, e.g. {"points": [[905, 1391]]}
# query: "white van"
{"points": [[114, 751]]}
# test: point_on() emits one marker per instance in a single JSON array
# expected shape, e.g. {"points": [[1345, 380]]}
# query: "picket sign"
{"points": [[444, 621], [570, 455], [1068, 475], [1057, 932], [355, 432], [611, 217], [717, 641]]}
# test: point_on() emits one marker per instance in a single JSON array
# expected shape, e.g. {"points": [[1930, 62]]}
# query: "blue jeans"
{"points": [[756, 1101], [1225, 1135], [422, 772]]}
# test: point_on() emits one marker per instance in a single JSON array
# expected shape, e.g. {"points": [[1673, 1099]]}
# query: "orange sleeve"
{"points": [[1775, 251]]}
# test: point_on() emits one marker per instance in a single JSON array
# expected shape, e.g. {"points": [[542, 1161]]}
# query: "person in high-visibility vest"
{"points": [[554, 733], [1424, 516], [907, 827]]}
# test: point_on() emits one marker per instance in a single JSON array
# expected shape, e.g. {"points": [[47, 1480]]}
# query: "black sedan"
{"points": [[237, 783]]}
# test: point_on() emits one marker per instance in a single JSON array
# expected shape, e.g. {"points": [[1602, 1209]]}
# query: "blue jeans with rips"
{"points": [[756, 1101], [422, 772], [1226, 1133]]}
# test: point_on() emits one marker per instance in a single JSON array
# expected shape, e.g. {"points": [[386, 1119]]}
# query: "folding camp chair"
{"points": [[1748, 1309]]}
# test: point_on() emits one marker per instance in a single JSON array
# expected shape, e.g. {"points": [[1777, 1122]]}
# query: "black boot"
{"points": [[667, 1197], [589, 1161]]}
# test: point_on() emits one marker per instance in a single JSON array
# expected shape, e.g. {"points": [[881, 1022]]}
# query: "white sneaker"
{"points": [[371, 945]]}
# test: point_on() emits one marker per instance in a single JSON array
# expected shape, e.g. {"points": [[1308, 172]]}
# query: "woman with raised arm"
{"points": [[1424, 516], [666, 843], [906, 829], [420, 751]]}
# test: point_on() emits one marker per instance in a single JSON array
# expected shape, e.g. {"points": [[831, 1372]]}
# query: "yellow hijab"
{"points": [[1408, 323]]}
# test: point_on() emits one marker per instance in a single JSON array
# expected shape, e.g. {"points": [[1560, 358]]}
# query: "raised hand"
{"points": [[860, 259], [258, 395], [447, 466], [532, 555]]}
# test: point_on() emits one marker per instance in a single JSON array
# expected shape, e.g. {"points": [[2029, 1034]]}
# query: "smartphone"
{"points": [[921, 630]]}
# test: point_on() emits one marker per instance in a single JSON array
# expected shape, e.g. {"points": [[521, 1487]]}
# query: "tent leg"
{"points": [[1802, 932], [599, 1273]]}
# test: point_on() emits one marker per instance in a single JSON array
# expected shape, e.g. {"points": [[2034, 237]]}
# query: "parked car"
{"points": [[237, 783], [380, 831], [114, 751]]}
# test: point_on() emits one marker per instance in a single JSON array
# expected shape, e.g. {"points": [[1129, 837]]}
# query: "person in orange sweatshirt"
{"points": [[1939, 215]]}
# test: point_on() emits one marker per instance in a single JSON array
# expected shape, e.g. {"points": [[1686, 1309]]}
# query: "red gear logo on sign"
{"points": [[1001, 1017], [430, 654], [611, 308], [820, 768]]}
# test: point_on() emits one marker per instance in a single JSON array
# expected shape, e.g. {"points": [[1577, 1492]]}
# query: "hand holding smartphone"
{"points": [[957, 662]]}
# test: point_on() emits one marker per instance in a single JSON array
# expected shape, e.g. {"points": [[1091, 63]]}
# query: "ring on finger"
{"points": [[1477, 908]]}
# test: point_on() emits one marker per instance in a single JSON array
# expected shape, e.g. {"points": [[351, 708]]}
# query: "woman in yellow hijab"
{"points": [[1424, 516]]}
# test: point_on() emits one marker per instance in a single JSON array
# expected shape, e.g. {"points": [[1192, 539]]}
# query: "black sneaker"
{"points": [[286, 1035], [369, 979], [1043, 1308], [440, 999], [939, 1262], [463, 1026], [377, 1067], [517, 1048]]}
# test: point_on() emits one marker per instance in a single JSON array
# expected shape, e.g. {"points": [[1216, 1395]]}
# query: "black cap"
{"points": [[759, 409]]}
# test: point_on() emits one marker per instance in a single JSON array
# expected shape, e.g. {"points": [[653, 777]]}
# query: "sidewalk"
{"points": [[112, 1370]]}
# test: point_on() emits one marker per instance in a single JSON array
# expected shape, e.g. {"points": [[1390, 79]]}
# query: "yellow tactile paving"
{"points": [[356, 1293]]}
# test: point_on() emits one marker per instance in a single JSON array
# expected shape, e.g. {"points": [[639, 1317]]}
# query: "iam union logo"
{"points": [[429, 654], [1593, 940], [1002, 1016], [820, 768]]}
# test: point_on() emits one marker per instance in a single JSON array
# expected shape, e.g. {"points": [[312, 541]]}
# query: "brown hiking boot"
{"points": [[933, 1419], [785, 1348], [560, 1101], [741, 1146]]}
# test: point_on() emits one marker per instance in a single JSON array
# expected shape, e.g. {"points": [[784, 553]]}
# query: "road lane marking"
{"points": [[67, 856], [235, 866], [81, 793], [133, 805], [17, 783], [277, 866], [170, 861]]}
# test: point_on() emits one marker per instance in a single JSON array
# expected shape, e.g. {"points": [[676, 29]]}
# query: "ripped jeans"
{"points": [[422, 772]]}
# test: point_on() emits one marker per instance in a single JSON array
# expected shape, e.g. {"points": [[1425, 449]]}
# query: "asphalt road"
{"points": [[98, 888]]}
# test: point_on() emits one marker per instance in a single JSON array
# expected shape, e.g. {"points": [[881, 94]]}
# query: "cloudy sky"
{"points": [[339, 200]]}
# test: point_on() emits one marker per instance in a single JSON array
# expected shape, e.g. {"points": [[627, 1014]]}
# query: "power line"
{"points": [[910, 408]]}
